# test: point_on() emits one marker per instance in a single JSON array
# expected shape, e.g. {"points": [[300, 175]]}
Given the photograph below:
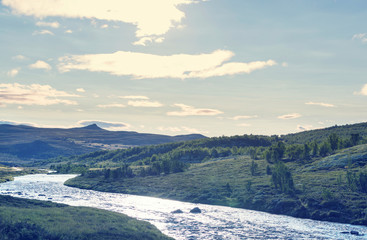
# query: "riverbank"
{"points": [[320, 194]]}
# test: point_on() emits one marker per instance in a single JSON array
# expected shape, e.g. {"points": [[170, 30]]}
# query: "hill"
{"points": [[322, 176], [31, 220], [21, 144]]}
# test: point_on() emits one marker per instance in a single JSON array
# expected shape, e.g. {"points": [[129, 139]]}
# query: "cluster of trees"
{"points": [[281, 178], [125, 171], [306, 151], [69, 168], [189, 151]]}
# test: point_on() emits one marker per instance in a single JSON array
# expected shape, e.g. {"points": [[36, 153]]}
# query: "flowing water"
{"points": [[215, 222]]}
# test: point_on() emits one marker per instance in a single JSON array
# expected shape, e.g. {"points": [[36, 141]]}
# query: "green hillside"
{"points": [[31, 220], [320, 177], [335, 193]]}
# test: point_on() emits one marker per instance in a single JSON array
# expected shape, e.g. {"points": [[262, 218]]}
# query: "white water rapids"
{"points": [[215, 222]]}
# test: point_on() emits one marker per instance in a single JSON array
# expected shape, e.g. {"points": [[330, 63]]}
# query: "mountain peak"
{"points": [[92, 127]]}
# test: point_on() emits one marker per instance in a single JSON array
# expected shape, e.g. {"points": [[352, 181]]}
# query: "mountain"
{"points": [[20, 144]]}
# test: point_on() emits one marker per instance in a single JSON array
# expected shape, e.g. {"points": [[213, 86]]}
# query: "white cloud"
{"points": [[191, 111], [34, 94], [290, 116], [152, 18], [180, 129], [104, 26], [48, 24], [80, 90], [134, 97], [244, 117], [112, 105], [156, 66], [144, 103], [143, 41], [169, 129], [13, 72], [284, 64], [40, 65], [363, 91], [43, 32], [320, 104], [68, 31], [111, 126], [360, 36], [19, 57]]}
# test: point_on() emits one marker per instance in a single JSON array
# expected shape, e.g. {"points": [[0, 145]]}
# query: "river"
{"points": [[215, 222]]}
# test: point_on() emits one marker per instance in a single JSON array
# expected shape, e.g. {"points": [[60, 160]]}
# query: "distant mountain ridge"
{"points": [[20, 143]]}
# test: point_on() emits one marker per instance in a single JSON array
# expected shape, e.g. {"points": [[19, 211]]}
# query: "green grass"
{"points": [[56, 221], [320, 193]]}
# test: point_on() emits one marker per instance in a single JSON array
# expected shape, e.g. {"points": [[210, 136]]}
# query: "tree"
{"points": [[253, 168], [355, 138], [325, 149], [334, 141], [306, 152], [282, 178]]}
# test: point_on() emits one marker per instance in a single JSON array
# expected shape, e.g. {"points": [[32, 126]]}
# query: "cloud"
{"points": [[43, 32], [304, 127], [244, 117], [320, 104], [40, 65], [13, 72], [191, 111], [111, 126], [363, 91], [34, 94], [19, 57], [284, 64], [180, 129], [134, 97], [156, 66], [169, 129], [80, 90], [144, 103], [290, 116], [104, 26], [143, 41], [68, 31], [112, 105], [244, 125], [360, 36], [152, 18], [48, 24]]}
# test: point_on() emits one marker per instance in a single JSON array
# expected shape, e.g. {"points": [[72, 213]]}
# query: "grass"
{"points": [[320, 193], [46, 220]]}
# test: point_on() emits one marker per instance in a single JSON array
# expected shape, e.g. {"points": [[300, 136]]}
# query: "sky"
{"points": [[174, 67]]}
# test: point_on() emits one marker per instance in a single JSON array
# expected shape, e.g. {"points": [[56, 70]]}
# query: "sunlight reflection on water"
{"points": [[215, 222]]}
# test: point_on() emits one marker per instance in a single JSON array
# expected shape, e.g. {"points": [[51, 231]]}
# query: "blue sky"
{"points": [[184, 66]]}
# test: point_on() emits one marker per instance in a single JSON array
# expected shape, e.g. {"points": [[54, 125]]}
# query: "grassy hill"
{"points": [[319, 174], [31, 219], [320, 192]]}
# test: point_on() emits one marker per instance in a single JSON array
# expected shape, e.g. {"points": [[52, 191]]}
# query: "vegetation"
{"points": [[31, 219], [306, 179], [8, 173]]}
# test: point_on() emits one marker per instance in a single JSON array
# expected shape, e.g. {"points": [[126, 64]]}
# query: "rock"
{"points": [[344, 232], [177, 211], [195, 210], [354, 233], [41, 195]]}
